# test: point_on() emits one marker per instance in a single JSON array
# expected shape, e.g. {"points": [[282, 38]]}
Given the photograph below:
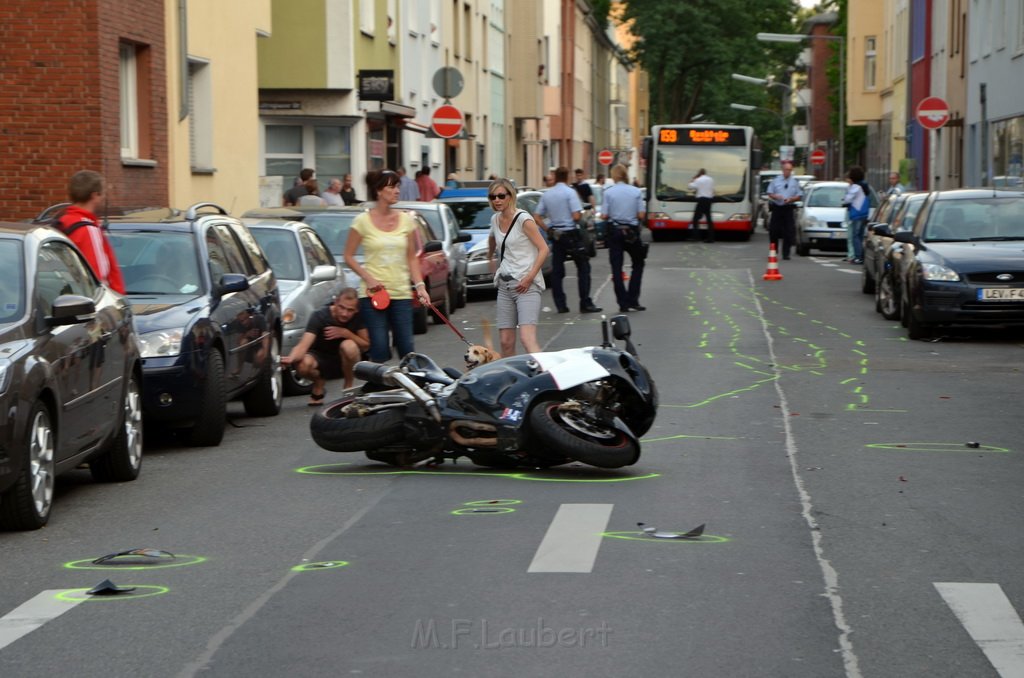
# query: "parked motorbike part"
{"points": [[398, 458], [393, 375], [567, 428], [351, 425]]}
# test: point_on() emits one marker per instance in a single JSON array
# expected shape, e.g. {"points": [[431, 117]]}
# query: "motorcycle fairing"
{"points": [[571, 367]]}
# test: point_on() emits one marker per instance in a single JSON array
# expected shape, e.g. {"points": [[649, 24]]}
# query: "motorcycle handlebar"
{"points": [[373, 372]]}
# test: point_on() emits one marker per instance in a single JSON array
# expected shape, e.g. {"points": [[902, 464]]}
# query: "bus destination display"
{"points": [[706, 136]]}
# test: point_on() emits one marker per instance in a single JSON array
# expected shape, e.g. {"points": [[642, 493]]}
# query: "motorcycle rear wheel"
{"points": [[581, 439], [333, 431]]}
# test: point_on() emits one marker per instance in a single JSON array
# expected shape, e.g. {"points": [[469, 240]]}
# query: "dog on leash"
{"points": [[481, 354]]}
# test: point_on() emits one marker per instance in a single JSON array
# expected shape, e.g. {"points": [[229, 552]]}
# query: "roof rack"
{"points": [[193, 211]]}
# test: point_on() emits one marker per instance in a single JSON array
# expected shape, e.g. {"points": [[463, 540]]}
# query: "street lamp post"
{"points": [[798, 37], [782, 118]]}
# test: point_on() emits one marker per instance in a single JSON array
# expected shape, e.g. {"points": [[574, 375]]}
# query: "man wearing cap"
{"points": [[783, 192]]}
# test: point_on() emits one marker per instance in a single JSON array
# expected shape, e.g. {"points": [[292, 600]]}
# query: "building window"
{"points": [[1019, 49], [333, 151], [129, 103], [200, 112], [282, 150], [870, 63], [134, 110], [467, 32]]}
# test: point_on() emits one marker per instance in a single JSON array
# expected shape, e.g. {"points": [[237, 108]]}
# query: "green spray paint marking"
{"points": [[180, 561], [935, 447], [319, 470], [640, 536], [682, 436], [75, 595], [322, 565], [480, 511]]}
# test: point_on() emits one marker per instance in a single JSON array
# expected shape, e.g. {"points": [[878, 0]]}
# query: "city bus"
{"points": [[729, 154]]}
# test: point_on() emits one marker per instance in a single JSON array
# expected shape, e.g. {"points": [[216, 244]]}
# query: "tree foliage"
{"points": [[689, 48]]}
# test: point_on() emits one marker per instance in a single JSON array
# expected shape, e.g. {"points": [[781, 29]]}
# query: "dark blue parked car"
{"points": [[208, 313]]}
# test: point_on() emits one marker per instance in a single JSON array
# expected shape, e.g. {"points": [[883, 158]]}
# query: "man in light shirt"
{"points": [[332, 196], [705, 189]]}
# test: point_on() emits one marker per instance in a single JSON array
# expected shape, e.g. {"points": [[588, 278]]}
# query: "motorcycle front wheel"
{"points": [[573, 435], [333, 431]]}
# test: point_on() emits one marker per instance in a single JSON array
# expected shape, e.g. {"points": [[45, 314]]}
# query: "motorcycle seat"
{"points": [[417, 362]]}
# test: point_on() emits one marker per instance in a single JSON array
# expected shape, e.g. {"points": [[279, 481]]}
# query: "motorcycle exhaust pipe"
{"points": [[489, 441], [391, 375]]}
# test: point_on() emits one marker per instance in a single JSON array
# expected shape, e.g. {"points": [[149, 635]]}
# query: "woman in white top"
{"points": [[515, 241]]}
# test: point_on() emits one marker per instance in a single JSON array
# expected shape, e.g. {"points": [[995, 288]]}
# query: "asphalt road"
{"points": [[850, 528]]}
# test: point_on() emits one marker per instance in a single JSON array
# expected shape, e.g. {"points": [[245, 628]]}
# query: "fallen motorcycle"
{"points": [[538, 410]]}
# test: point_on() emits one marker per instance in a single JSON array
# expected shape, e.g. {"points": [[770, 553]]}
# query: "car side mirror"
{"points": [[463, 236], [71, 309], [232, 282], [324, 273], [905, 237], [882, 229], [433, 246]]}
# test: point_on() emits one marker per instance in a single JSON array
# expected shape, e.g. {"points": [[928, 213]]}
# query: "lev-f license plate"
{"points": [[1001, 294]]}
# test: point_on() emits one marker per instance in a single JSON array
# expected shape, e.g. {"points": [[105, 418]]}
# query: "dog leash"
{"points": [[448, 323]]}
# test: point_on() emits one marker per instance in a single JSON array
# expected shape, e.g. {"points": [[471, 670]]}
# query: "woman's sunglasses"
{"points": [[498, 196]]}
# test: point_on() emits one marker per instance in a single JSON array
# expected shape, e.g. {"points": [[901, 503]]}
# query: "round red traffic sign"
{"points": [[605, 157], [818, 157], [932, 112], [446, 121]]}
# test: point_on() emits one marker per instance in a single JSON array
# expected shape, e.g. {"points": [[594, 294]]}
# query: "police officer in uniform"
{"points": [[623, 208], [783, 192]]}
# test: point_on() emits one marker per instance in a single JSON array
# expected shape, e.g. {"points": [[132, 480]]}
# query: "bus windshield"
{"points": [[677, 165]]}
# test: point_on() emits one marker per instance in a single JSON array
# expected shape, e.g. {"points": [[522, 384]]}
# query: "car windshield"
{"points": [[432, 216], [157, 262], [472, 215], [826, 196], [12, 281], [282, 251], [995, 218], [333, 229]]}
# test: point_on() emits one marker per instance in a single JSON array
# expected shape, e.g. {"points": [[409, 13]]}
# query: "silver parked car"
{"points": [[446, 227], [307, 277]]}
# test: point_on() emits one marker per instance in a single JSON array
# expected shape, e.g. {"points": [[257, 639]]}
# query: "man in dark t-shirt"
{"points": [[335, 339], [292, 195], [584, 190]]}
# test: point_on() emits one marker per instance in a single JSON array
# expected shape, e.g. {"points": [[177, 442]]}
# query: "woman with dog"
{"points": [[388, 239], [520, 249]]}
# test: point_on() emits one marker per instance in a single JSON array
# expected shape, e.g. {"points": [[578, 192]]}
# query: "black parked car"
{"points": [[888, 260], [69, 374], [208, 312], [966, 266]]}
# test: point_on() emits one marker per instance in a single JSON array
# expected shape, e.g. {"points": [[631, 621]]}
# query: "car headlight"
{"points": [[740, 216], [939, 273], [288, 317], [659, 216], [479, 255], [813, 221], [160, 344]]}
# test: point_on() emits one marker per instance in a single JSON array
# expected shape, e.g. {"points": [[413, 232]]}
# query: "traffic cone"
{"points": [[773, 265]]}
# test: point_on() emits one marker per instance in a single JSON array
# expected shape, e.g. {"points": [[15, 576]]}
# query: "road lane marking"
{"points": [[851, 664], [572, 539], [990, 619], [32, 614]]}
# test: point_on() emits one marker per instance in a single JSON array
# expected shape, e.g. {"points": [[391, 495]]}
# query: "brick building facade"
{"points": [[63, 65]]}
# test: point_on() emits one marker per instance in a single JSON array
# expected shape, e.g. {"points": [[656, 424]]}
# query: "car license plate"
{"points": [[1001, 294]]}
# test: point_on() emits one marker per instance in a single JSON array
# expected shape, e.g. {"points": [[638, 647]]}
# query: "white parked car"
{"points": [[821, 221]]}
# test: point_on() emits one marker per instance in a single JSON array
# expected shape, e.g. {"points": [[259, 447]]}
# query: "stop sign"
{"points": [[818, 157], [932, 112], [446, 121], [605, 157]]}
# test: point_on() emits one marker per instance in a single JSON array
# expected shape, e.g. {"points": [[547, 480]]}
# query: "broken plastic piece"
{"points": [[109, 588], [973, 445], [132, 556], [653, 532]]}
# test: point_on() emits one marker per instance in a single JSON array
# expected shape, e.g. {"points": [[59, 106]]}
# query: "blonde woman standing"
{"points": [[520, 249], [388, 239]]}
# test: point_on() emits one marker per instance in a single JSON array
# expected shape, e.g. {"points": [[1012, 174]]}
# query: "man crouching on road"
{"points": [[335, 339]]}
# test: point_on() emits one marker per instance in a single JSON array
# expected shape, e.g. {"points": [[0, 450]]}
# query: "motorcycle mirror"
{"points": [[620, 327]]}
